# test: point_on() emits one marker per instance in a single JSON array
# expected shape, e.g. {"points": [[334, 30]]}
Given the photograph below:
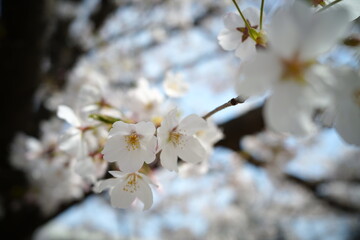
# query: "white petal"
{"points": [[253, 16], [289, 110], [34, 145], [146, 179], [233, 21], [66, 113], [168, 159], [118, 174], [246, 49], [133, 161], [192, 151], [229, 39], [192, 124], [70, 142], [144, 193], [104, 184], [327, 29], [284, 33], [353, 7], [120, 128], [114, 148], [145, 128], [120, 198], [259, 74], [151, 152], [170, 121], [347, 121]]}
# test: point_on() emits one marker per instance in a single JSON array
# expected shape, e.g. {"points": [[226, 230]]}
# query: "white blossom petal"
{"points": [[284, 32], [246, 49], [133, 162], [352, 6], [120, 128], [168, 159], [70, 141], [120, 198], [289, 110], [145, 128], [151, 153], [259, 74], [104, 184], [327, 29], [170, 121], [347, 102], [229, 40], [192, 151], [118, 174], [253, 16], [145, 194], [233, 21], [66, 113], [191, 124]]}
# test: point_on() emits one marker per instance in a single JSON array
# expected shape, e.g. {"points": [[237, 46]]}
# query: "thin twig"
{"points": [[232, 102]]}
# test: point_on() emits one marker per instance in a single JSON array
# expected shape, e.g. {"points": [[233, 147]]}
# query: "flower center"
{"points": [[149, 106], [133, 141], [131, 184], [175, 137], [294, 69], [245, 31], [357, 96]]}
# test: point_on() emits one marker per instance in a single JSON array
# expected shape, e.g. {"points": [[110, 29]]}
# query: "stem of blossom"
{"points": [[329, 5], [104, 118], [232, 102], [261, 13], [242, 16]]}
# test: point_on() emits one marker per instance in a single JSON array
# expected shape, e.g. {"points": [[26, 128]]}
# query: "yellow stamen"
{"points": [[294, 69], [132, 184], [133, 142], [175, 137]]}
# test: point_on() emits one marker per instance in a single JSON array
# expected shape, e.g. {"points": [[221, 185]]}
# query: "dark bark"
{"points": [[250, 123], [21, 50]]}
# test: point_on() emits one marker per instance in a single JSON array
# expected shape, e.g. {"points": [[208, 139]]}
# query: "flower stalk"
{"points": [[231, 102], [261, 13]]}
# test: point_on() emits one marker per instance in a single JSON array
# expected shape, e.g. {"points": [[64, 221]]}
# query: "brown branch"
{"points": [[246, 124]]}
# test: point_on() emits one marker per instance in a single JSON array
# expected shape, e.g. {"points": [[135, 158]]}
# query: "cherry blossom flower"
{"points": [[174, 85], [347, 105], [236, 35], [130, 145], [289, 68], [73, 140], [177, 139], [91, 168], [125, 188], [144, 101]]}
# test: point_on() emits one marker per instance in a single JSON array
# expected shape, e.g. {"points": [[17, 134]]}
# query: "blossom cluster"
{"points": [[110, 129], [286, 61], [125, 129]]}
